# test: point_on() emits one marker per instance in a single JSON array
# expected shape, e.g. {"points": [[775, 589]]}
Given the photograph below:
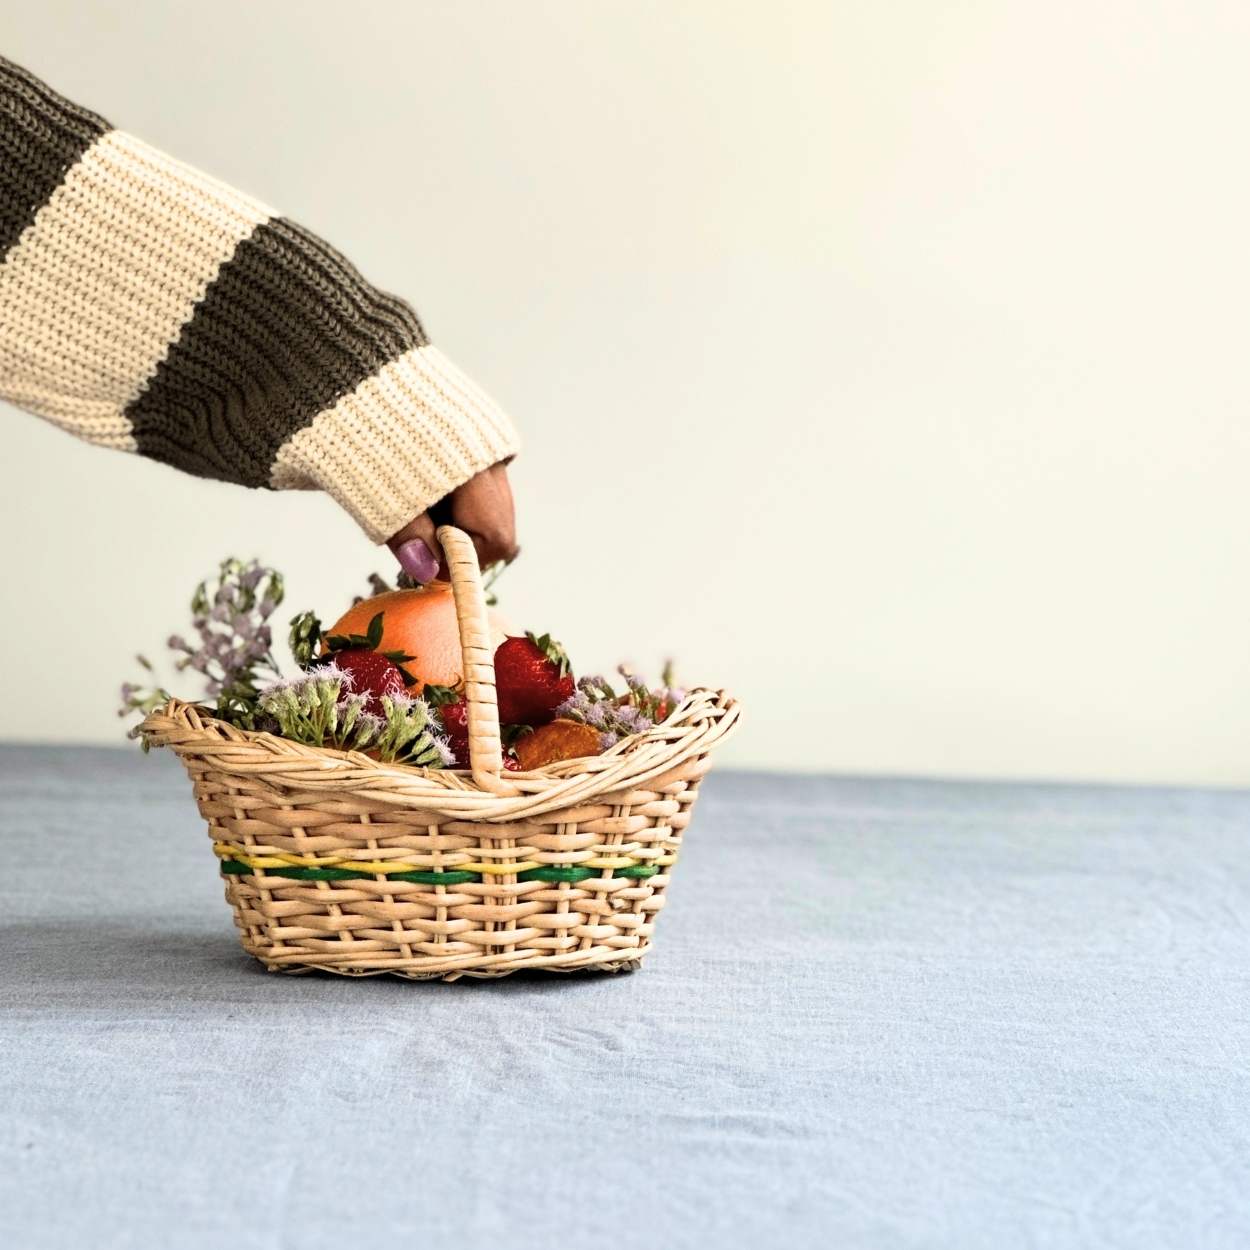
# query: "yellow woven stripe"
{"points": [[284, 859]]}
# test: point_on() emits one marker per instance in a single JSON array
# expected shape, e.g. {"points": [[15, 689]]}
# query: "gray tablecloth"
{"points": [[880, 1013]]}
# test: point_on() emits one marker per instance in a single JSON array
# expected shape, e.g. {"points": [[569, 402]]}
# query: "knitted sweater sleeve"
{"points": [[147, 307]]}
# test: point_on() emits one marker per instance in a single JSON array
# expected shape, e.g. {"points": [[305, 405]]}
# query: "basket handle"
{"points": [[478, 655]]}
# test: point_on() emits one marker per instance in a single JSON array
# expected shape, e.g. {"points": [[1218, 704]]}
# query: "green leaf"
{"points": [[490, 575], [510, 735], [303, 638], [374, 636], [440, 696], [553, 651]]}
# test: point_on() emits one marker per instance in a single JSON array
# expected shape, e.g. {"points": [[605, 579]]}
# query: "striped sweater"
{"points": [[147, 307]]}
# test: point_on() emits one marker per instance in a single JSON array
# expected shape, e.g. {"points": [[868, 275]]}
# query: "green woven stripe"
{"points": [[574, 873], [639, 870], [571, 873], [434, 878], [233, 868]]}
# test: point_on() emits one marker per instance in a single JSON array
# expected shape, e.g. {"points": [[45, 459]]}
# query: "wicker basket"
{"points": [[332, 860]]}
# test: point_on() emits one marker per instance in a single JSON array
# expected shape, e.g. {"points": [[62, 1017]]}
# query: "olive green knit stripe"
{"points": [[284, 330], [233, 868], [42, 136]]}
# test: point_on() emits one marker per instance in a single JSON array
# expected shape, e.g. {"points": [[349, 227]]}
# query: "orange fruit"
{"points": [[422, 624]]}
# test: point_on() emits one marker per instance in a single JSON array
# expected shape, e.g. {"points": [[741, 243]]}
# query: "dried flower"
{"points": [[595, 702], [632, 680], [233, 642], [319, 708], [614, 716]]}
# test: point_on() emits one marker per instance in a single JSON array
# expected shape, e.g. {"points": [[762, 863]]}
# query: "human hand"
{"points": [[482, 507]]}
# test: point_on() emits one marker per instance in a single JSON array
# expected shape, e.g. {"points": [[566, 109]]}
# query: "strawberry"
{"points": [[532, 678], [371, 640], [455, 717], [456, 727], [371, 674], [451, 709]]}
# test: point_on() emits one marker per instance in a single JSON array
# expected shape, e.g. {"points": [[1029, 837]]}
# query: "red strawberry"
{"points": [[455, 717], [532, 678], [371, 674], [451, 709], [456, 727]]}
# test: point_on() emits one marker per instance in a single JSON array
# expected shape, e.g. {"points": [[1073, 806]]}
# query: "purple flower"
{"points": [[232, 645], [633, 681]]}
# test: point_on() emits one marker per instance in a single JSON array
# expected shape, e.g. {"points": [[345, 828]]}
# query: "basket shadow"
{"points": [[123, 957], [111, 952], [531, 979]]}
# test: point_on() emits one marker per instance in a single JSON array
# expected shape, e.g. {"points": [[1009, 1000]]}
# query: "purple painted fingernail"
{"points": [[418, 561]]}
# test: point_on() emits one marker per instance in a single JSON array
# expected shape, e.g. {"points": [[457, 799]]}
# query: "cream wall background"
{"points": [[884, 361]]}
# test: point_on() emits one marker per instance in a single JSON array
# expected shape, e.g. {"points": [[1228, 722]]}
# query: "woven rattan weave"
{"points": [[335, 861]]}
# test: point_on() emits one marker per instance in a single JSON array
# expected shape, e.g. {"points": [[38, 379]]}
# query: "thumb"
{"points": [[417, 550]]}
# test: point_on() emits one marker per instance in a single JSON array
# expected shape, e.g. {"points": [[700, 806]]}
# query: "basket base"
{"points": [[601, 960]]}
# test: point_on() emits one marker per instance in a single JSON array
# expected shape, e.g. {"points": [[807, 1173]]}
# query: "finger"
{"points": [[417, 550], [483, 508]]}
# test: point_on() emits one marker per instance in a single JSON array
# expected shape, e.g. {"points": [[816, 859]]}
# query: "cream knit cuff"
{"points": [[408, 435]]}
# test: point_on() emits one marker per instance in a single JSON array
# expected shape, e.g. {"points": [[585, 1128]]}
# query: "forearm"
{"points": [[147, 307]]}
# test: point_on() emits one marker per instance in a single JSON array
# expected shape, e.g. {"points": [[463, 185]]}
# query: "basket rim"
{"points": [[703, 720]]}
